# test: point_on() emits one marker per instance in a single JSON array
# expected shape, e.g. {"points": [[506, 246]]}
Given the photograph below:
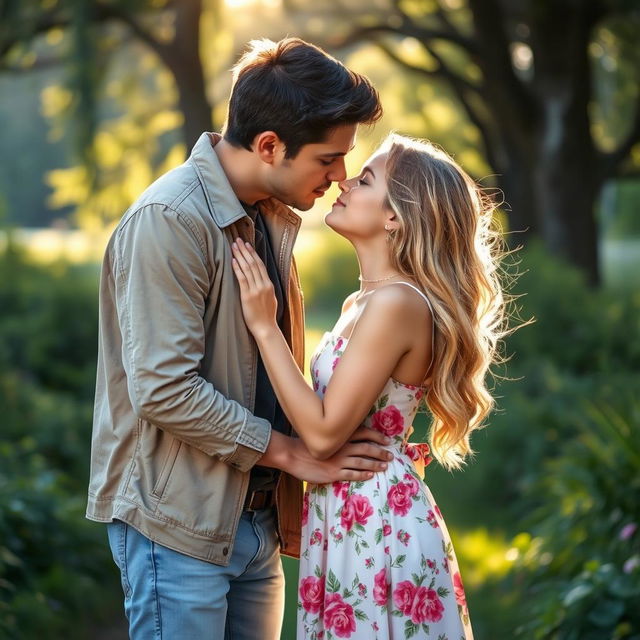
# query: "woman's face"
{"points": [[360, 210]]}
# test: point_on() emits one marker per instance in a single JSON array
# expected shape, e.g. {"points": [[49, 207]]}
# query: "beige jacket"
{"points": [[173, 434]]}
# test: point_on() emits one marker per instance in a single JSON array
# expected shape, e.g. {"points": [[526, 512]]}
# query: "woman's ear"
{"points": [[268, 146], [391, 221]]}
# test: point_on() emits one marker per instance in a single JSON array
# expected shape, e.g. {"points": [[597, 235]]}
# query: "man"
{"points": [[193, 464]]}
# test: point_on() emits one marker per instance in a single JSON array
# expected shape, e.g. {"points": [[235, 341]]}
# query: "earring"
{"points": [[386, 227]]}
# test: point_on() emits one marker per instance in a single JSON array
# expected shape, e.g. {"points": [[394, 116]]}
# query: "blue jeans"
{"points": [[171, 596]]}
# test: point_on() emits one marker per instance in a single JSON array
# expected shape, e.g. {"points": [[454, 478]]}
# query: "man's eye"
{"points": [[326, 163], [362, 181]]}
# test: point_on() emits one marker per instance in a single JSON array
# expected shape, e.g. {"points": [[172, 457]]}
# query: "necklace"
{"points": [[395, 275]]}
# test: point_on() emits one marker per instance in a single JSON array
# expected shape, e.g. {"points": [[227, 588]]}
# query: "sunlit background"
{"points": [[540, 100]]}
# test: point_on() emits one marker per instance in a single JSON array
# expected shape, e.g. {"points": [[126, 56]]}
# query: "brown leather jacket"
{"points": [[173, 434]]}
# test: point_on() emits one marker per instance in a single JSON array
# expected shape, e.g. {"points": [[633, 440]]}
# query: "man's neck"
{"points": [[238, 165]]}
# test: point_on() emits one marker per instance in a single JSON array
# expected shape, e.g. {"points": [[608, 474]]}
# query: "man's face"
{"points": [[299, 181]]}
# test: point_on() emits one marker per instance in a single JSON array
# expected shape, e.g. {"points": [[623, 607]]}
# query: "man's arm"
{"points": [[356, 460], [162, 279]]}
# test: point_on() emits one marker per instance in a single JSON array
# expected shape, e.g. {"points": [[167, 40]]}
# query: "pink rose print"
{"points": [[403, 596], [368, 563], [436, 508], [426, 606], [356, 508], [412, 482], [312, 593], [381, 588], [362, 590], [316, 537], [404, 537], [388, 421], [458, 587], [336, 536], [305, 509], [431, 519], [339, 344], [340, 489], [335, 364], [338, 616], [399, 498], [386, 550], [386, 528]]}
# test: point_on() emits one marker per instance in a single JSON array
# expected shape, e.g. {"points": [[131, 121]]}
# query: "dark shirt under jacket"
{"points": [[266, 403]]}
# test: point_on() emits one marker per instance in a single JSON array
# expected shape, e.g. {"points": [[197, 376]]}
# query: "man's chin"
{"points": [[302, 205]]}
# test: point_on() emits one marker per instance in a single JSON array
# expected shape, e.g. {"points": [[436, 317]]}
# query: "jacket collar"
{"points": [[222, 200]]}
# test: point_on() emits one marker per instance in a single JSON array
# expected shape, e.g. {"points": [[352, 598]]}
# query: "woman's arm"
{"points": [[381, 337]]}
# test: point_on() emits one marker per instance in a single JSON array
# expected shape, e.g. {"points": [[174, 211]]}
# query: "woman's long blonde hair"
{"points": [[446, 242]]}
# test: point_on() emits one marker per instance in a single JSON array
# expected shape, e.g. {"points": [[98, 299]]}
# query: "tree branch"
{"points": [[461, 88], [408, 29]]}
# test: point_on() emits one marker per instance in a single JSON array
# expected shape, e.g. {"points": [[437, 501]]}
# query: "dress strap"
{"points": [[433, 320]]}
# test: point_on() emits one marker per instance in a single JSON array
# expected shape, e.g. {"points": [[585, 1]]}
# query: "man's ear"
{"points": [[268, 146]]}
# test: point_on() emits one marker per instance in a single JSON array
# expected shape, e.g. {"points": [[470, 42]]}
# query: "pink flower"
{"points": [[431, 519], [386, 528], [338, 616], [335, 364], [316, 537], [628, 530], [368, 563], [381, 588], [305, 509], [339, 344], [403, 596], [399, 498], [412, 482], [404, 537], [631, 564], [436, 508], [312, 593], [362, 590], [388, 421], [356, 508], [426, 606], [458, 587], [340, 489]]}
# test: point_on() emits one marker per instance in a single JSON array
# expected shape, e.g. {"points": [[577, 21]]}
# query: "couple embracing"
{"points": [[204, 426]]}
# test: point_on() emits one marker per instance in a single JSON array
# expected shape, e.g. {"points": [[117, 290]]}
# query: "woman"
{"points": [[378, 561]]}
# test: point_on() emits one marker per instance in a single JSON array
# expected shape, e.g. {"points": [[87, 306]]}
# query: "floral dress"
{"points": [[377, 560]]}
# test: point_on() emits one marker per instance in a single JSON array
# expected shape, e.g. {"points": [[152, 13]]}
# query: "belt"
{"points": [[259, 499]]}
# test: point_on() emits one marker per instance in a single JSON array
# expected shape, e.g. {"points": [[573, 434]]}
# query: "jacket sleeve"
{"points": [[162, 279]]}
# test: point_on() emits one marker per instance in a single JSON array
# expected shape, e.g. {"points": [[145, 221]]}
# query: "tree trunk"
{"points": [[566, 178], [182, 57]]}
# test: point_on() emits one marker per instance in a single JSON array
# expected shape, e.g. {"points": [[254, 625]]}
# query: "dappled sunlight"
{"points": [[483, 555]]}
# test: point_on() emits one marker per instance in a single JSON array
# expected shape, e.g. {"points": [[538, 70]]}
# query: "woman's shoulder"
{"points": [[349, 300]]}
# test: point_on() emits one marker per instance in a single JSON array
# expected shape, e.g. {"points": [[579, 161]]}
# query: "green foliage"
{"points": [[54, 564], [582, 569]]}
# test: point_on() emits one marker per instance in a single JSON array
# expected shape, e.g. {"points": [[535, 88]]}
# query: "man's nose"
{"points": [[338, 171]]}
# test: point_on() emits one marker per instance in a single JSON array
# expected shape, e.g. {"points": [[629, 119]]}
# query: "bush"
{"points": [[56, 576], [581, 568]]}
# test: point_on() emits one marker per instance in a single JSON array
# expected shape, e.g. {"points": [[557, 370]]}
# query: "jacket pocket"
{"points": [[167, 468]]}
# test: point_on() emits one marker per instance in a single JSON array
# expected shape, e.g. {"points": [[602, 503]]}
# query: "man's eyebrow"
{"points": [[335, 154]]}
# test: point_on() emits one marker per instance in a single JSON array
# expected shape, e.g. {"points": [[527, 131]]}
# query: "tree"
{"points": [[523, 73], [170, 28]]}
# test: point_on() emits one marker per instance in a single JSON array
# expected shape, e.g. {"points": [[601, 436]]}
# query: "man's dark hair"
{"points": [[297, 90]]}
